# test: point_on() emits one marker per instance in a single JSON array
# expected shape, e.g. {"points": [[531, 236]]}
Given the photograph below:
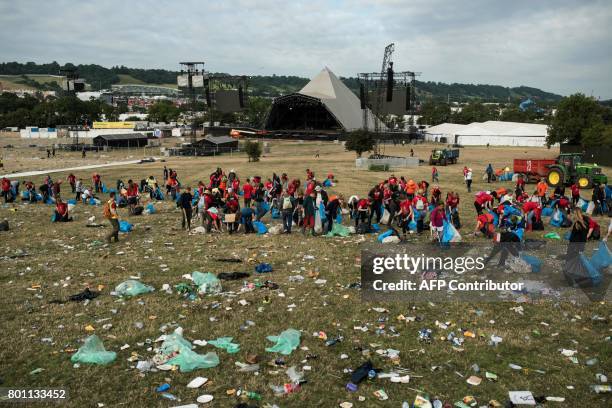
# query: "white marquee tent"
{"points": [[495, 133]]}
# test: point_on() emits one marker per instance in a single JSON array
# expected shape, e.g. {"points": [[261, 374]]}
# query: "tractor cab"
{"points": [[569, 160]]}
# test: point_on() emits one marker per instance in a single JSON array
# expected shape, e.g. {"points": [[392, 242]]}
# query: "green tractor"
{"points": [[569, 169]]}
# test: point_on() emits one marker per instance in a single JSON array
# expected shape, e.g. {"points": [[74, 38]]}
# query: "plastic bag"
{"points": [[151, 209], [602, 258], [375, 227], [260, 227], [286, 342], [187, 359], [338, 230], [125, 226], [93, 352], [384, 235], [207, 282], [275, 213], [534, 262], [450, 233], [392, 239], [132, 288], [412, 225], [226, 343], [552, 235], [263, 268], [579, 271], [547, 212], [385, 217]]}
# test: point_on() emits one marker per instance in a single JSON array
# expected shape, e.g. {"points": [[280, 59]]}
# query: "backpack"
{"points": [[420, 205], [287, 203], [106, 211]]}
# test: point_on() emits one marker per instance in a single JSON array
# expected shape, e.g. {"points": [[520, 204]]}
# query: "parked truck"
{"points": [[442, 157], [567, 169]]}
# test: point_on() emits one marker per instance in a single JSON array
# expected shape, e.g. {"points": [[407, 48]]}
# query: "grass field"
{"points": [[63, 259]]}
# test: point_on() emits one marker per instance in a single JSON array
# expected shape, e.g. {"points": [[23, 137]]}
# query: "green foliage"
{"points": [[579, 120], [256, 110], [30, 111], [360, 141], [434, 113], [476, 112], [163, 111], [253, 150]]}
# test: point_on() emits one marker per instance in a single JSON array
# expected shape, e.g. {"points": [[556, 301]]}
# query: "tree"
{"points": [[433, 113], [256, 110], [360, 141], [475, 112], [579, 120], [163, 111], [253, 150]]}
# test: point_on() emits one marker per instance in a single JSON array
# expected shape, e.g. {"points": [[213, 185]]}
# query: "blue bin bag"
{"points": [[375, 227], [275, 213], [534, 262], [384, 235], [602, 258], [151, 208], [125, 226], [260, 227]]}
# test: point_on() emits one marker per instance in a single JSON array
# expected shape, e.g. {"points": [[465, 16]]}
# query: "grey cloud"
{"points": [[561, 46]]}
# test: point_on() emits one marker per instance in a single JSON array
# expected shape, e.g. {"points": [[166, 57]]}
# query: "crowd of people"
{"points": [[224, 202]]}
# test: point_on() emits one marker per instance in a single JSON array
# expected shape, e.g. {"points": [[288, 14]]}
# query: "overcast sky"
{"points": [[559, 46]]}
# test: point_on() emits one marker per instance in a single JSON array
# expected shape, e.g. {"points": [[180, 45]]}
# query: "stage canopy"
{"points": [[325, 103]]}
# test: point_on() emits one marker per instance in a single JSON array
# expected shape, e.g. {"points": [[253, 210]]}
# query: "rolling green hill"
{"points": [[100, 77]]}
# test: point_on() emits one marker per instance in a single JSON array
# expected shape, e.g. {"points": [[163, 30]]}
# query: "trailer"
{"points": [[532, 170]]}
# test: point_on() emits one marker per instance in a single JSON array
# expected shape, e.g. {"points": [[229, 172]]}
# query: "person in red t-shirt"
{"points": [[483, 200], [533, 212], [72, 180], [594, 230], [61, 211], [363, 210], [484, 225], [247, 193], [575, 194]]}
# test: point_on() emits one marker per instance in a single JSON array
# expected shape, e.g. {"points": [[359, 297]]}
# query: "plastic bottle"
{"points": [[253, 395]]}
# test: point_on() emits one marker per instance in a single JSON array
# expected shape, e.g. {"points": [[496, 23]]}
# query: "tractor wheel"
{"points": [[585, 182], [431, 162], [554, 178]]}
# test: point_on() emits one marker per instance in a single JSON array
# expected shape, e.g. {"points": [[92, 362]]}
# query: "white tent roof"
{"points": [[341, 102], [498, 128], [445, 129]]}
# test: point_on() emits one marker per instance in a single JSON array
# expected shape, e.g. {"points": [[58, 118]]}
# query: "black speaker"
{"points": [[389, 84], [240, 96], [362, 96], [408, 98], [207, 93]]}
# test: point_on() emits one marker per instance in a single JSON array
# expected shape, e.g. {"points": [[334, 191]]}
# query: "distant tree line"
{"points": [[100, 77]]}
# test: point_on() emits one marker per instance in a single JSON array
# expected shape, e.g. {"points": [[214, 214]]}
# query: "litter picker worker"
{"points": [[484, 225], [184, 203], [132, 195], [287, 203], [72, 180], [309, 213], [468, 180], [61, 211], [110, 213], [541, 190], [489, 172]]}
